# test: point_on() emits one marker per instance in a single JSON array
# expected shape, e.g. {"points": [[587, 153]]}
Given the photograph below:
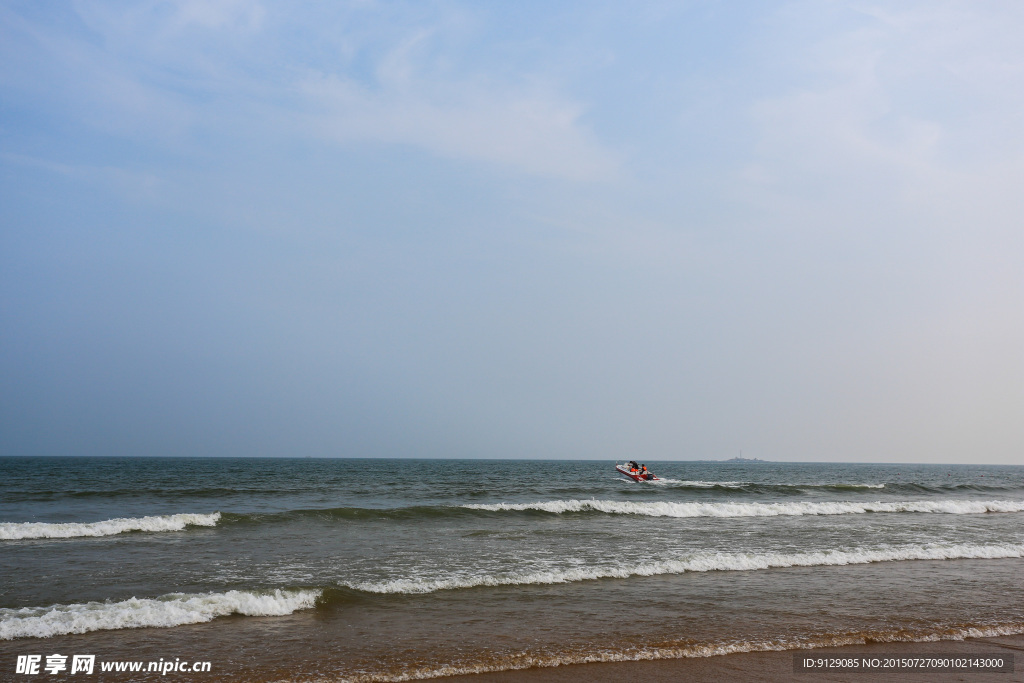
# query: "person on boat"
{"points": [[633, 467], [643, 472]]}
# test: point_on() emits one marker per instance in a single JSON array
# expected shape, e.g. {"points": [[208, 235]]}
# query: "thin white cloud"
{"points": [[160, 17], [129, 184], [174, 70], [236, 14], [912, 109], [421, 96], [534, 133]]}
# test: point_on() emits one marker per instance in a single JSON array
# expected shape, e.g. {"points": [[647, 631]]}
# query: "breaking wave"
{"points": [[175, 609], [697, 509], [783, 488], [697, 562], [697, 484], [25, 530], [157, 523]]}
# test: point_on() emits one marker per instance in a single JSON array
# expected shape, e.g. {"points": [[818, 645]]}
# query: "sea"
{"points": [[391, 570]]}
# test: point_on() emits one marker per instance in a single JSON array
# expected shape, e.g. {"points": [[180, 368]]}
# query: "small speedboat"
{"points": [[635, 475]]}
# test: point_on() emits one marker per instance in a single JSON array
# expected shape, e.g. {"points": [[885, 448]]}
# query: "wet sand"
{"points": [[775, 667]]}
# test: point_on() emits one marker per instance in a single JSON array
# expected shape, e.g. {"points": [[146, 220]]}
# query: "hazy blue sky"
{"points": [[533, 229]]}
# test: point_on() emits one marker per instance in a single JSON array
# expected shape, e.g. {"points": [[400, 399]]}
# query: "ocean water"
{"points": [[380, 570]]}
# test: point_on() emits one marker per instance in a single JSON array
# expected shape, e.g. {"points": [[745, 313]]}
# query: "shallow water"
{"points": [[385, 569]]}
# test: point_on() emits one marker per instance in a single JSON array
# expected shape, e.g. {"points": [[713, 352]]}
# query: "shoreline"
{"points": [[776, 666]]}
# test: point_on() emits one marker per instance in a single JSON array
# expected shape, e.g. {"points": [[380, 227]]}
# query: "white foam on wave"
{"points": [[698, 562], [529, 660], [175, 609], [686, 483], [722, 509], [23, 530]]}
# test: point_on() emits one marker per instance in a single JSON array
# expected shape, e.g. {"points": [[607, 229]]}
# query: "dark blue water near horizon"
{"points": [[442, 560], [80, 488]]}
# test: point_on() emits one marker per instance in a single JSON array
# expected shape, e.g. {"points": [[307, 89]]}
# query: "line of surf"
{"points": [[695, 562], [28, 530], [758, 486], [178, 522], [734, 509], [699, 484], [684, 650], [175, 609]]}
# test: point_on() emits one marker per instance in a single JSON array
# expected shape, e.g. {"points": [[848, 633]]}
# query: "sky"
{"points": [[660, 230]]}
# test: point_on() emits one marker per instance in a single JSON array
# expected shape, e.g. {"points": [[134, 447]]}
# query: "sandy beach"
{"points": [[775, 666]]}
